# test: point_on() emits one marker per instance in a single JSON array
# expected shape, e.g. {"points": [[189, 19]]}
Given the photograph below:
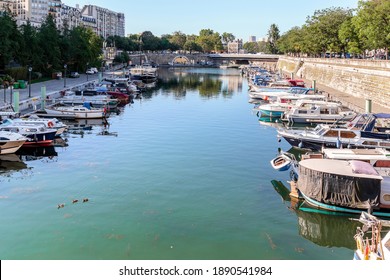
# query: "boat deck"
{"points": [[339, 167]]}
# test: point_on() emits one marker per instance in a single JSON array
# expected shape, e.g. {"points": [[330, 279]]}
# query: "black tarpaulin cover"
{"points": [[339, 189]]}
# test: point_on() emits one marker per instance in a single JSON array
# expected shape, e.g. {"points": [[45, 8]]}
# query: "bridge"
{"points": [[244, 58], [202, 59]]}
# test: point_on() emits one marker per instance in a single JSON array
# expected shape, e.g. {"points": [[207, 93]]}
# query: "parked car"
{"points": [[94, 69], [89, 72], [74, 75]]}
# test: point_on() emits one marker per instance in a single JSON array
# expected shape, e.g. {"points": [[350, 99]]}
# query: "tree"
{"points": [[149, 41], [251, 47], [49, 43], [273, 37], [228, 37], [348, 35], [10, 40], [209, 40], [321, 31], [192, 46], [291, 42], [177, 40], [86, 48], [373, 23]]}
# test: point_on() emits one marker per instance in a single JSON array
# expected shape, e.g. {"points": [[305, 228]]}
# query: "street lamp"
{"points": [[65, 66], [87, 71], [29, 81]]}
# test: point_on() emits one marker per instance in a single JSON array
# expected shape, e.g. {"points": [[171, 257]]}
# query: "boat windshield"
{"points": [[320, 130]]}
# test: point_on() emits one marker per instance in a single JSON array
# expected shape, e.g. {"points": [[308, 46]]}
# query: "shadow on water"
{"points": [[326, 229]]}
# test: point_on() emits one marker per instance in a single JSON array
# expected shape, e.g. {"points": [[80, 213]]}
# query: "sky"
{"points": [[241, 18]]}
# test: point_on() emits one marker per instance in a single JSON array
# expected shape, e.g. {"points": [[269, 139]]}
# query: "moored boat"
{"points": [[10, 142], [349, 186], [361, 132], [36, 134], [283, 161], [373, 247], [78, 112], [317, 111]]}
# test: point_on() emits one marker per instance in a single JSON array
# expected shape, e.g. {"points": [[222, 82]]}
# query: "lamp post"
{"points": [[87, 70], [29, 81], [65, 66]]}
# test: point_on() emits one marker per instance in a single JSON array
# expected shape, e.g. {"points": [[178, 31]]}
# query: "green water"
{"points": [[184, 175]]}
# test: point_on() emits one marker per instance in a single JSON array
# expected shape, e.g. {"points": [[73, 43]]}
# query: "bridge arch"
{"points": [[181, 59]]}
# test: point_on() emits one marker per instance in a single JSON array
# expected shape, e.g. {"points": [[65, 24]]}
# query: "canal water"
{"points": [[181, 174]]}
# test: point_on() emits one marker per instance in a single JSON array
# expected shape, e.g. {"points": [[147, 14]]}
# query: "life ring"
{"points": [[50, 124]]}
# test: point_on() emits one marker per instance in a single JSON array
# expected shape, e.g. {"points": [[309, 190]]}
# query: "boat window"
{"points": [[386, 197], [385, 144], [370, 143], [331, 133], [382, 163], [347, 134]]}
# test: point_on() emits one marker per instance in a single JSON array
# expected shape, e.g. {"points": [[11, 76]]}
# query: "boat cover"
{"points": [[358, 192]]}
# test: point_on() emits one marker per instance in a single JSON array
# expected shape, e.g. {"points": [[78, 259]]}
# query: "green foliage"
{"points": [[251, 47], [291, 42], [373, 23], [177, 40], [10, 40], [273, 37], [209, 40]]}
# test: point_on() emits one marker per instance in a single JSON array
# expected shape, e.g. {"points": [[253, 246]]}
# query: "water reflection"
{"points": [[11, 163], [209, 84], [326, 229], [36, 153], [86, 126]]}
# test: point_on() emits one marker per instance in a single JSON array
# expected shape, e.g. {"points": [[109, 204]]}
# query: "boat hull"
{"points": [[40, 139], [11, 147]]}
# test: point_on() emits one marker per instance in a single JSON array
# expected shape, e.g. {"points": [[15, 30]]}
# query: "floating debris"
{"points": [[62, 205], [75, 201], [85, 200]]}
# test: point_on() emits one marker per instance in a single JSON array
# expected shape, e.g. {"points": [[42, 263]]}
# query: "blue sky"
{"points": [[242, 18]]}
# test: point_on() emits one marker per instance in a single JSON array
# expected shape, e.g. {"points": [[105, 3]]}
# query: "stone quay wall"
{"points": [[365, 79]]}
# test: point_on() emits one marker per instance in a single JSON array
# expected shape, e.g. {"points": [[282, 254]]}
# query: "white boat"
{"points": [[317, 111], [36, 134], [361, 132], [146, 73], [284, 103], [78, 112], [51, 123], [98, 100], [373, 247], [274, 94], [10, 142]]}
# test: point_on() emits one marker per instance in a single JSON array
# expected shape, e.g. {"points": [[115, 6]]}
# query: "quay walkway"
{"points": [[52, 88]]}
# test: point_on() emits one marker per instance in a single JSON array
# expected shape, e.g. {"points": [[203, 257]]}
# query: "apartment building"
{"points": [[102, 21], [106, 22]]}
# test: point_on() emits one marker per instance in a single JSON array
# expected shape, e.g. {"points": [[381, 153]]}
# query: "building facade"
{"points": [[102, 21], [252, 39], [70, 16], [235, 46], [106, 23]]}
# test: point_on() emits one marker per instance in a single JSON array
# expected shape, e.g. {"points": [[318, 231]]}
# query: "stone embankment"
{"points": [[349, 80]]}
